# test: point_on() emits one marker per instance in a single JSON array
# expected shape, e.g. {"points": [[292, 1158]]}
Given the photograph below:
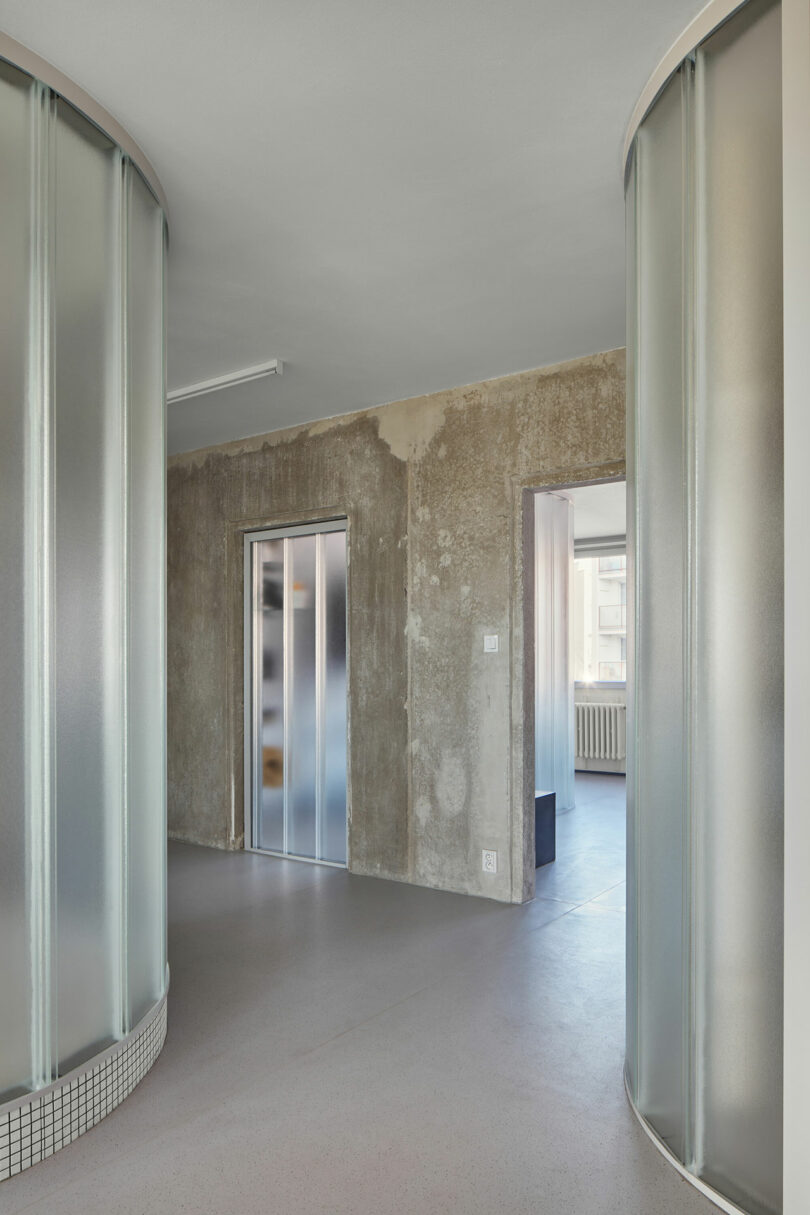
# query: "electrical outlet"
{"points": [[490, 643], [489, 860]]}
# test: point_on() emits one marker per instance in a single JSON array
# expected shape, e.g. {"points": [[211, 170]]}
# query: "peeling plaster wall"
{"points": [[435, 490]]}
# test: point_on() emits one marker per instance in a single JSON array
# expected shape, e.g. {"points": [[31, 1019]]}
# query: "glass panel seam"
{"points": [[252, 648], [124, 563], [638, 621], [320, 692], [288, 676], [164, 591], [256, 677], [247, 689], [347, 697], [696, 327], [39, 507], [688, 607]]}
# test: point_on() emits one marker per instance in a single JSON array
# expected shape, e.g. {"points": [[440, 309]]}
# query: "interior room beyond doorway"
{"points": [[580, 694]]}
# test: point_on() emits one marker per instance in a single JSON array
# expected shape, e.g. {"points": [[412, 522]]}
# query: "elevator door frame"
{"points": [[252, 686]]}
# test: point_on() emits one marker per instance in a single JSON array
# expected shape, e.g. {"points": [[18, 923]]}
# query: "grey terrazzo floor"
{"points": [[343, 1045]]}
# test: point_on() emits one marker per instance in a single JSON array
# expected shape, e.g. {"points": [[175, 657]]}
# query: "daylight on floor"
{"points": [[404, 420]]}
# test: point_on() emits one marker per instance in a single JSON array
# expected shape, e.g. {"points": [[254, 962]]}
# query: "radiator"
{"points": [[601, 730]]}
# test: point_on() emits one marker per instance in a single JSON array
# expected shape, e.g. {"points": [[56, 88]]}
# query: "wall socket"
{"points": [[489, 860]]}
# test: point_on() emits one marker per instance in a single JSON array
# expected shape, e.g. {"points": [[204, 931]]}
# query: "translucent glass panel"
{"points": [[631, 921], [554, 683], [333, 749], [18, 100], [87, 587], [270, 702], [302, 758], [661, 545], [82, 712], [738, 637], [145, 526], [297, 667], [705, 456]]}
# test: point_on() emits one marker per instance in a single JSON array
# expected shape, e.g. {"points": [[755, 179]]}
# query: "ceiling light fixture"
{"points": [[244, 376]]}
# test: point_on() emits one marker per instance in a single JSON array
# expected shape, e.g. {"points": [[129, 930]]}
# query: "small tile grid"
{"points": [[43, 1125]]}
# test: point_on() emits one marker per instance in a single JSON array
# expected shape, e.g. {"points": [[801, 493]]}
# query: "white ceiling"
{"points": [[392, 198], [599, 510]]}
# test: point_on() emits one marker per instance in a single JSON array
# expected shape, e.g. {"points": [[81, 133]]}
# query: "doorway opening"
{"points": [[580, 694], [296, 692]]}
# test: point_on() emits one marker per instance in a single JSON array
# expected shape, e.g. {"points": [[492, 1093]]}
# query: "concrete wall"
{"points": [[440, 540]]}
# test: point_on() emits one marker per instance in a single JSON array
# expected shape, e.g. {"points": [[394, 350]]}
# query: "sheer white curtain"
{"points": [[554, 684]]}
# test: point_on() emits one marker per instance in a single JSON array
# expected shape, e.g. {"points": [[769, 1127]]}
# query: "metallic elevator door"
{"points": [[295, 685]]}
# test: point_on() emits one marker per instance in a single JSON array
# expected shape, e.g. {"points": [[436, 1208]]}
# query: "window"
{"points": [[600, 619]]}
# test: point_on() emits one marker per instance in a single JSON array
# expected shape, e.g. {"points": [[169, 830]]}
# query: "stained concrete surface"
{"points": [[433, 488], [345, 470], [339, 1044]]}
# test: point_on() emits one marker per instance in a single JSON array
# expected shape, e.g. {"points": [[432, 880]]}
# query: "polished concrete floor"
{"points": [[343, 1045]]}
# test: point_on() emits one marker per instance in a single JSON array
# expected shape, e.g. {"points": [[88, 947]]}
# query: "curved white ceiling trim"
{"points": [[20, 56], [707, 20]]}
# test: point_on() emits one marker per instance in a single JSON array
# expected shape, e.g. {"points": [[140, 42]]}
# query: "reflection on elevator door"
{"points": [[296, 668]]}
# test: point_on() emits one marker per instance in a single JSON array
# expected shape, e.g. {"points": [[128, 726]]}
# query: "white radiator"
{"points": [[601, 730]]}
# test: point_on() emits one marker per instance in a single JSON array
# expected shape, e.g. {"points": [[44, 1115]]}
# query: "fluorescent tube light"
{"points": [[244, 376]]}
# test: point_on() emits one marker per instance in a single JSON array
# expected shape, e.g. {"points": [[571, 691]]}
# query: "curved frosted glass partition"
{"points": [[705, 788], [82, 816]]}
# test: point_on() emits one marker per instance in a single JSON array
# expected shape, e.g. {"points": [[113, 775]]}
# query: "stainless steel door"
{"points": [[295, 668]]}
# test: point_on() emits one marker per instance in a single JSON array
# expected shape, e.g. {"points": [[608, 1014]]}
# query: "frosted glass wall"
{"points": [[554, 682], [704, 1051], [82, 815], [297, 721]]}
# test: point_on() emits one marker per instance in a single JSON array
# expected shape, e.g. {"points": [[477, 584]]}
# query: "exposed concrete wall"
{"points": [[440, 542]]}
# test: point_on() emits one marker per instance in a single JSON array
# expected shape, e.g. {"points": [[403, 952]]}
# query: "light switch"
{"points": [[491, 643]]}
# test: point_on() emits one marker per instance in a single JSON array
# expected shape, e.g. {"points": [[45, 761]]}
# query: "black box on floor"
{"points": [[545, 828]]}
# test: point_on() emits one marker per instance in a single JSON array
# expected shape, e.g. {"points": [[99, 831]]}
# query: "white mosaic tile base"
{"points": [[36, 1127]]}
